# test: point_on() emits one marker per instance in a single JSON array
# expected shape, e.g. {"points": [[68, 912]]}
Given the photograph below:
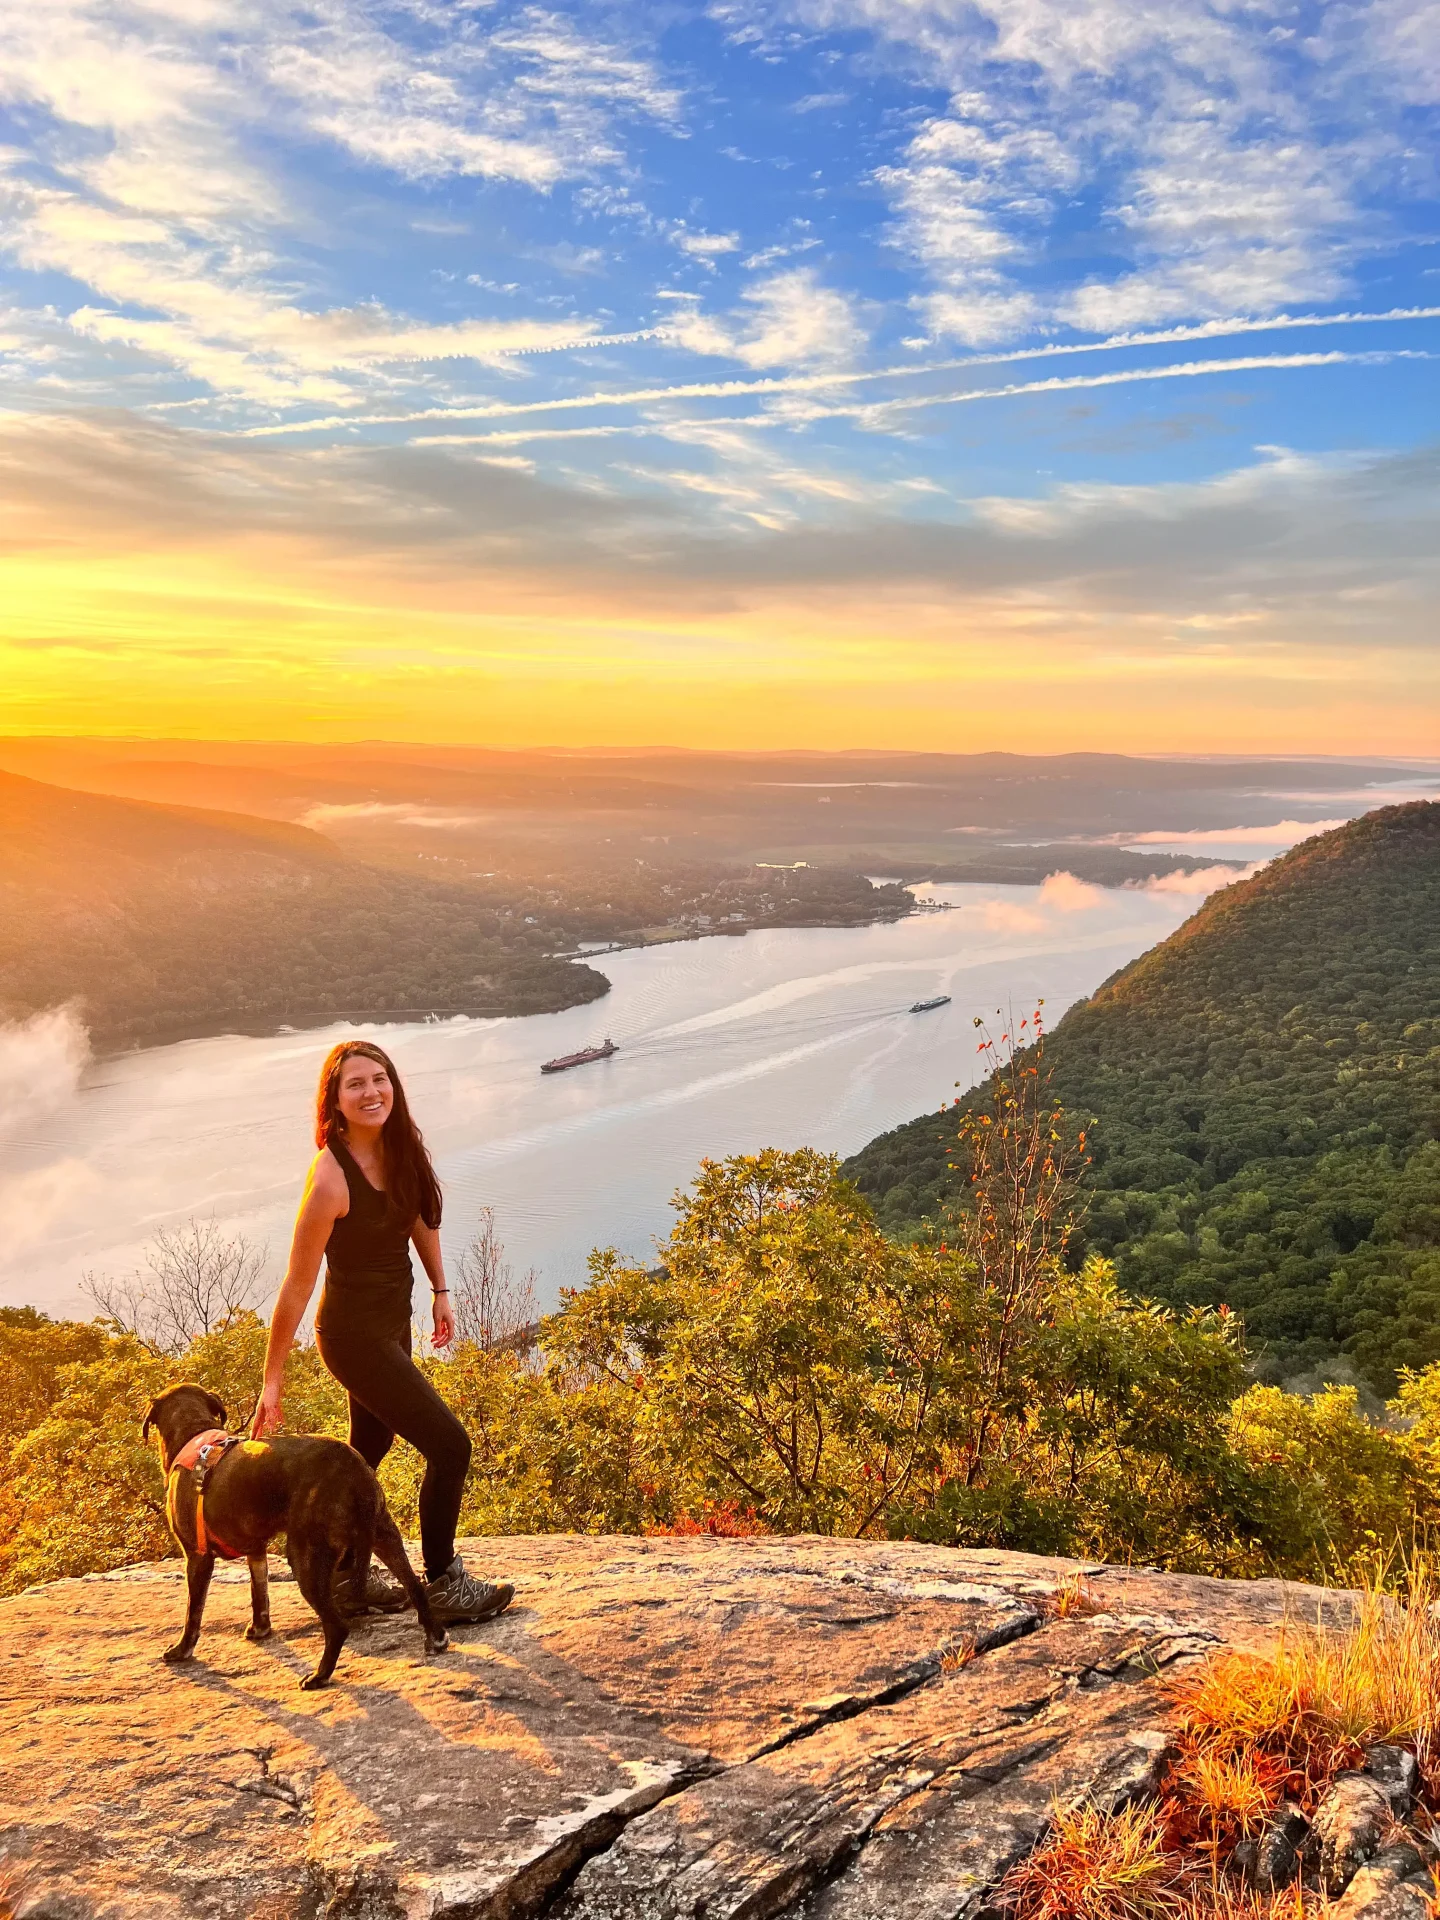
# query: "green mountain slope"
{"points": [[1265, 1092], [158, 921]]}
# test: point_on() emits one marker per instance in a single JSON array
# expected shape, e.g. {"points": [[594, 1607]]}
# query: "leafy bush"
{"points": [[1342, 1493], [786, 1367]]}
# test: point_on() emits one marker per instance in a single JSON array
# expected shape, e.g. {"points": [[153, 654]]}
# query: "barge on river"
{"points": [[581, 1059], [925, 1006]]}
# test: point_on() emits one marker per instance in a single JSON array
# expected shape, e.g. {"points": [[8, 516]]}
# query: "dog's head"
{"points": [[179, 1413]]}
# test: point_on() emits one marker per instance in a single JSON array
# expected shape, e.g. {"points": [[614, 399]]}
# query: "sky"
{"points": [[1035, 374]]}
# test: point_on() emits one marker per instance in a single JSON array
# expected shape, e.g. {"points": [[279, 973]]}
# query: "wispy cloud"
{"points": [[1199, 883], [536, 101], [42, 1061], [1239, 162], [702, 246], [789, 319], [1066, 894], [153, 179]]}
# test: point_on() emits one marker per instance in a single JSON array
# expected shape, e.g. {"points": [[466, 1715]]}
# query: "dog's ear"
{"points": [[149, 1416], [217, 1407]]}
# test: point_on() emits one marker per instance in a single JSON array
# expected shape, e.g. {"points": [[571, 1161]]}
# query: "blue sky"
{"points": [[1097, 314]]}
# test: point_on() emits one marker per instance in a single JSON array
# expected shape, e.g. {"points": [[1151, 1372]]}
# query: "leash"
{"points": [[199, 1457]]}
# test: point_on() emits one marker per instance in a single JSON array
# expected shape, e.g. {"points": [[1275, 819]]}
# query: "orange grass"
{"points": [[1324, 1695], [958, 1656], [1223, 1900], [1215, 1798], [1076, 1599], [1117, 1866], [1097, 1866], [724, 1519]]}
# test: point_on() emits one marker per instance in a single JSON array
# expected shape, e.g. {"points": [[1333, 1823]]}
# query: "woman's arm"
{"points": [[427, 1244], [326, 1198]]}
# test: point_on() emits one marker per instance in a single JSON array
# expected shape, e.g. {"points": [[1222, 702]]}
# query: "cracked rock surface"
{"points": [[834, 1730]]}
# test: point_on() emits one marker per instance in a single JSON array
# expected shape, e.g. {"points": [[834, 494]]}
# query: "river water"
{"points": [[787, 1037]]}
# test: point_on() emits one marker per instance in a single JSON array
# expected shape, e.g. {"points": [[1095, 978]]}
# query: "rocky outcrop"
{"points": [[658, 1729], [1395, 1885]]}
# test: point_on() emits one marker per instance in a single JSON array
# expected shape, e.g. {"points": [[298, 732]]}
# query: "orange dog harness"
{"points": [[200, 1457]]}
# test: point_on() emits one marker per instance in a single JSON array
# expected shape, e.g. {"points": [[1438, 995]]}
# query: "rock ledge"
{"points": [[657, 1730]]}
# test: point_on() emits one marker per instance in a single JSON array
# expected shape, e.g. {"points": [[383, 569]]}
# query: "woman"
{"points": [[372, 1192]]}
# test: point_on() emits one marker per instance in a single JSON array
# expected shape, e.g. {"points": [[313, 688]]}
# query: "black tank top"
{"points": [[369, 1247]]}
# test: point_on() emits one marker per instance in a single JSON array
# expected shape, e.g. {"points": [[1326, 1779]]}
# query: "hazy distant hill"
{"points": [[160, 920], [1267, 1089], [564, 819]]}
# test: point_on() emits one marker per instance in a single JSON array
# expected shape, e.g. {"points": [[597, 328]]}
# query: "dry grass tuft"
{"points": [[1324, 1695], [1216, 1798], [1222, 1900], [1097, 1866], [958, 1656], [722, 1519], [1117, 1866], [1076, 1599]]}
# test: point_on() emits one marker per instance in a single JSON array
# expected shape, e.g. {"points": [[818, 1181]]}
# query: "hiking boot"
{"points": [[458, 1598], [382, 1595]]}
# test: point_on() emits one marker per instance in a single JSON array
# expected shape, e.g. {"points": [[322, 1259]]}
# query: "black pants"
{"points": [[389, 1395]]}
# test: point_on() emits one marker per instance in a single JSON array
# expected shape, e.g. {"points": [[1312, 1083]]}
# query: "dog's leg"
{"points": [[390, 1548], [198, 1569], [259, 1627], [315, 1562]]}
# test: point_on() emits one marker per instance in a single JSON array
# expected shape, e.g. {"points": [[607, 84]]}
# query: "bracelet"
{"points": [[435, 1292]]}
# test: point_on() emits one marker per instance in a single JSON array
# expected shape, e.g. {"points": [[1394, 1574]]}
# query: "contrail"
{"points": [[818, 382], [1184, 370]]}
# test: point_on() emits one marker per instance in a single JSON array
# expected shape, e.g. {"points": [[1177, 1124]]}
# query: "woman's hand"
{"points": [[268, 1413], [444, 1321]]}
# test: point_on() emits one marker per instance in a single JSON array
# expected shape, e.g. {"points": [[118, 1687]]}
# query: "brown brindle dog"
{"points": [[319, 1493]]}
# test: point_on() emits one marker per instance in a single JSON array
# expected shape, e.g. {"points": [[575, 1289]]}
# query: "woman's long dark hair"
{"points": [[410, 1182]]}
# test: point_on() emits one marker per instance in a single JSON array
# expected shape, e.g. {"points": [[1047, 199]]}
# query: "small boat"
{"points": [[581, 1059], [925, 1006]]}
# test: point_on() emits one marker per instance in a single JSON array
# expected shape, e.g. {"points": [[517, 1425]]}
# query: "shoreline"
{"points": [[275, 1026]]}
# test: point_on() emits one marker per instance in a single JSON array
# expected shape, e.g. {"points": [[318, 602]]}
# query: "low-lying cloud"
{"points": [[397, 813], [1199, 882], [1066, 894], [41, 1063], [1282, 833]]}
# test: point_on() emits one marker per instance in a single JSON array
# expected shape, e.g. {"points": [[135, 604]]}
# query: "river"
{"points": [[786, 1037]]}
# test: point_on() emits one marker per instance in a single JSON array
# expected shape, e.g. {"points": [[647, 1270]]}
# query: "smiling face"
{"points": [[365, 1095]]}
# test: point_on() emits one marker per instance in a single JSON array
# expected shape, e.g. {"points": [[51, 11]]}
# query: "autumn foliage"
{"points": [[784, 1366]]}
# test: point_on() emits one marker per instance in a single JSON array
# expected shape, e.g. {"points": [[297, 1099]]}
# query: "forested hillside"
{"points": [[162, 920], [1265, 1092]]}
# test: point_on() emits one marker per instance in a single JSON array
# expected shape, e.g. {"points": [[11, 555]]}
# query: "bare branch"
{"points": [[492, 1308], [196, 1278]]}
